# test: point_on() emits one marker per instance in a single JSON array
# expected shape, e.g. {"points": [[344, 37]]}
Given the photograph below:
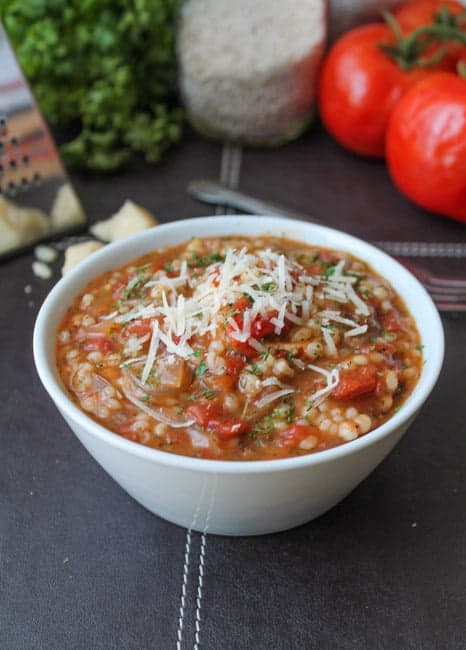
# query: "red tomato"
{"points": [[418, 13], [359, 87], [356, 382], [292, 436], [426, 145]]}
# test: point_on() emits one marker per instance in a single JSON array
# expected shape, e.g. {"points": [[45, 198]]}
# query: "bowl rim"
{"points": [[59, 294]]}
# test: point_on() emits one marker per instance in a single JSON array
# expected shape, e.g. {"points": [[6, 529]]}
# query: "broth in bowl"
{"points": [[239, 348]]}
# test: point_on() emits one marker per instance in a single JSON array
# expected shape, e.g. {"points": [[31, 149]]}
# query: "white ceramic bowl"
{"points": [[236, 497]]}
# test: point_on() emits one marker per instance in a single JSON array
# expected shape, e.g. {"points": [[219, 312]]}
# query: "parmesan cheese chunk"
{"points": [[76, 253], [66, 210], [41, 270], [18, 225], [130, 219], [45, 254]]}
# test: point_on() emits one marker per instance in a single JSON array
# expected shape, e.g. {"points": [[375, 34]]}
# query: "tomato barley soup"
{"points": [[236, 348]]}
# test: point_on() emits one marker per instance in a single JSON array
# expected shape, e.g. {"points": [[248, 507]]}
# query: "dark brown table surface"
{"points": [[83, 566]]}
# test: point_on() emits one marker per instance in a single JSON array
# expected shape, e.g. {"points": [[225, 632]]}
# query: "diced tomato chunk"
{"points": [[243, 348], [356, 382], [201, 412], [226, 428], [261, 327], [234, 364], [224, 382], [293, 435], [101, 344], [209, 416], [391, 321], [241, 304], [138, 328]]}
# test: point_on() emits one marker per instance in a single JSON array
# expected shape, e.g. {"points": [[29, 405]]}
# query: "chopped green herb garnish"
{"points": [[210, 394], [263, 427], [329, 269], [290, 408], [266, 354], [270, 287], [231, 313], [201, 369], [196, 353], [205, 260]]}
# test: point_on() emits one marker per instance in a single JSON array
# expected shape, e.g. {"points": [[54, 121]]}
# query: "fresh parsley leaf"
{"points": [[205, 260], [201, 369], [109, 69]]}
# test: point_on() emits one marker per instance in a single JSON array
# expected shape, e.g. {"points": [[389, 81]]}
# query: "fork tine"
{"points": [[428, 278], [445, 289], [445, 281], [449, 306], [449, 294], [446, 297]]}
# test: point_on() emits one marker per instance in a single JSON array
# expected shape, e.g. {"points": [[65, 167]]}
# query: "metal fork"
{"points": [[449, 294]]}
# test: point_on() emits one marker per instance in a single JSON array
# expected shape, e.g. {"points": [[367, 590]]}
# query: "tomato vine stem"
{"points": [[408, 49]]}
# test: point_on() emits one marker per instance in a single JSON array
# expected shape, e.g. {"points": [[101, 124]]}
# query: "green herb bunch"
{"points": [[107, 66]]}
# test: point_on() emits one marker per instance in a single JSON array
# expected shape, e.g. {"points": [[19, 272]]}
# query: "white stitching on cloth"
{"points": [[183, 589], [199, 591], [187, 555], [201, 564]]}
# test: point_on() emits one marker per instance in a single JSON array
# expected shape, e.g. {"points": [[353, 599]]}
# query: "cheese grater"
{"points": [[37, 200]]}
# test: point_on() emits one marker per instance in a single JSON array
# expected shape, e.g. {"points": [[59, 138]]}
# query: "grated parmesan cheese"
{"points": [[274, 284]]}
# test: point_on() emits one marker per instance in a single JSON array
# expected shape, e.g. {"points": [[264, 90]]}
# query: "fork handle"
{"points": [[217, 194]]}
